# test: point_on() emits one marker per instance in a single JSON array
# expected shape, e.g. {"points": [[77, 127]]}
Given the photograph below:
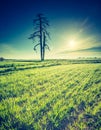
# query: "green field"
{"points": [[50, 95]]}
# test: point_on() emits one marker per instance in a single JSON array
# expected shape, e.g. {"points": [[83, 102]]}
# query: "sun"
{"points": [[72, 43]]}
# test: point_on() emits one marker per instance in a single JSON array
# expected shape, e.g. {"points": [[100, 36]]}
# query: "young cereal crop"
{"points": [[50, 97]]}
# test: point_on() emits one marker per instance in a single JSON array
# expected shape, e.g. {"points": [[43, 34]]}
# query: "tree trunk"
{"points": [[44, 40], [41, 50]]}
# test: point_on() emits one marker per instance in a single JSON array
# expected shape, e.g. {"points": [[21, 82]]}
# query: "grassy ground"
{"points": [[50, 95]]}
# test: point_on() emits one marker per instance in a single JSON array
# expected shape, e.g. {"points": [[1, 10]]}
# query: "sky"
{"points": [[75, 28]]}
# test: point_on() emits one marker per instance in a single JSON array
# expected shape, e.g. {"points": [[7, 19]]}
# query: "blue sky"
{"points": [[75, 28]]}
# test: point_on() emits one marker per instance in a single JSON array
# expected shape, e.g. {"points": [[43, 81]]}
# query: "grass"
{"points": [[50, 95]]}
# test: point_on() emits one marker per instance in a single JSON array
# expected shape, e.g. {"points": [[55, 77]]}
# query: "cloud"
{"points": [[10, 52], [92, 49], [6, 49]]}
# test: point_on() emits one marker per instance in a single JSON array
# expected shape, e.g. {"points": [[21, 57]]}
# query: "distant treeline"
{"points": [[2, 59], [60, 61]]}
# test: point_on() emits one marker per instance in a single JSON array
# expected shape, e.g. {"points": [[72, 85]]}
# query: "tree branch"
{"points": [[47, 47], [32, 36], [36, 46]]}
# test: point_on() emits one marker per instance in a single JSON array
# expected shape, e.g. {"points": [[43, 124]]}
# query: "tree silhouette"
{"points": [[41, 34]]}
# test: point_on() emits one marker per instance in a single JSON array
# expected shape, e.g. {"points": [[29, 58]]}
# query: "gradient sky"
{"points": [[75, 28]]}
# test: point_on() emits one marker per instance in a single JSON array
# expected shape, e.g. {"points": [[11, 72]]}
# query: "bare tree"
{"points": [[41, 34]]}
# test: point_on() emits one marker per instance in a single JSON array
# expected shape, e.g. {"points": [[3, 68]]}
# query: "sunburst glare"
{"points": [[72, 43]]}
